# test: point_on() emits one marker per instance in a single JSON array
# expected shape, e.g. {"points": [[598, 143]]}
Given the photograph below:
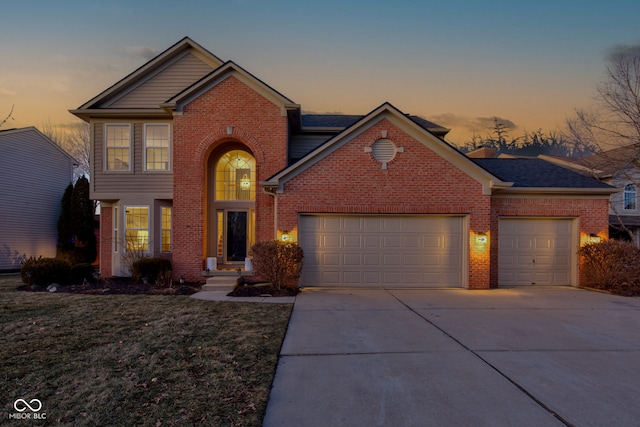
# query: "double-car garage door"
{"points": [[430, 251], [382, 250]]}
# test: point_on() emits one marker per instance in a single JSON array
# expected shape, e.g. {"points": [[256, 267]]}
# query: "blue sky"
{"points": [[458, 63]]}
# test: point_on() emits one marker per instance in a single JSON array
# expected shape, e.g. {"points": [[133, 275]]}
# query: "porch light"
{"points": [[481, 238], [245, 183], [182, 280], [285, 236], [594, 238]]}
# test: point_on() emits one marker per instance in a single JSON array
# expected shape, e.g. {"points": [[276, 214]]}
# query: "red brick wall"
{"points": [[106, 249], [258, 124], [592, 214], [417, 181]]}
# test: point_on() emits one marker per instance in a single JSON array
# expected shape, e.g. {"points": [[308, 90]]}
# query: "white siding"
{"points": [[34, 173]]}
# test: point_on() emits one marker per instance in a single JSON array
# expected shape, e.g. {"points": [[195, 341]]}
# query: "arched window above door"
{"points": [[235, 176]]}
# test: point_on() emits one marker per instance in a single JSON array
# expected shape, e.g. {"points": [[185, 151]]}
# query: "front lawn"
{"points": [[116, 360]]}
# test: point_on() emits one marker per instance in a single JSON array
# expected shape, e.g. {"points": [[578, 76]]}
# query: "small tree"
{"points": [[65, 246], [84, 224], [278, 262], [76, 225]]}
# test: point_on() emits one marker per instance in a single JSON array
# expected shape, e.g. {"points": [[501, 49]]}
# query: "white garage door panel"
{"points": [[535, 251], [388, 251]]}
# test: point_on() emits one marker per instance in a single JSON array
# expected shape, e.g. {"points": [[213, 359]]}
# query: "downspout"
{"points": [[273, 192]]}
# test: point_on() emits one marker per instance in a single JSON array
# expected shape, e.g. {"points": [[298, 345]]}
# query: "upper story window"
{"points": [[236, 176], [156, 147], [629, 197], [118, 147]]}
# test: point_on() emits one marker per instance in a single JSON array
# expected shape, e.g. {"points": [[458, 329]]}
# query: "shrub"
{"points": [[44, 271], [611, 263], [82, 272], [151, 268], [278, 262], [26, 269]]}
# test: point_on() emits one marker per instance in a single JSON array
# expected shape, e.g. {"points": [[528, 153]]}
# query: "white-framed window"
{"points": [[136, 219], [165, 229], [157, 147], [117, 147], [629, 197]]}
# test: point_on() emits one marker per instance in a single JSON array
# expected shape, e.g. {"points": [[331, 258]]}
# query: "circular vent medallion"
{"points": [[383, 150]]}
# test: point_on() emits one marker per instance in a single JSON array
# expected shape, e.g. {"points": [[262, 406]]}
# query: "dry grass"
{"points": [[116, 360]]}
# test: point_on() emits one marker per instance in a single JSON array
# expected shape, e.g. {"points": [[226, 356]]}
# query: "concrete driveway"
{"points": [[503, 357]]}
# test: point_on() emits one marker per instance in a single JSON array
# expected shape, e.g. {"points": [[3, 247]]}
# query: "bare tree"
{"points": [[613, 126], [614, 121], [74, 138], [6, 119]]}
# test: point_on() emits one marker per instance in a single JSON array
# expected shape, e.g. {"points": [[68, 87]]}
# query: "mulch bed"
{"points": [[262, 289], [120, 286]]}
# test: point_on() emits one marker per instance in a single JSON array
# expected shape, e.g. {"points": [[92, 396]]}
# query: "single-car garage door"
{"points": [[382, 250], [536, 251]]}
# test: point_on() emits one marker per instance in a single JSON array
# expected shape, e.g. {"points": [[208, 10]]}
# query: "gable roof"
{"points": [[27, 135], [178, 101], [536, 175], [153, 83], [398, 118]]}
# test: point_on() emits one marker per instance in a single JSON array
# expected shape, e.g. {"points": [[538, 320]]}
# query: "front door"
{"points": [[236, 236], [231, 195]]}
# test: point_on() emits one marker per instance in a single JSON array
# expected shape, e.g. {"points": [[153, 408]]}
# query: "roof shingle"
{"points": [[537, 173]]}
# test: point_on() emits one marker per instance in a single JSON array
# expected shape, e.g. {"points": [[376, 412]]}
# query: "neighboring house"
{"points": [[620, 168], [195, 159], [34, 173]]}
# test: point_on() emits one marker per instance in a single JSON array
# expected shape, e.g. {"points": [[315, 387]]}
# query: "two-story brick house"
{"points": [[195, 159]]}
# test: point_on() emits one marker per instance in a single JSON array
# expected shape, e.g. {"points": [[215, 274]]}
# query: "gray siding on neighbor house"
{"points": [[160, 87], [110, 184], [34, 174]]}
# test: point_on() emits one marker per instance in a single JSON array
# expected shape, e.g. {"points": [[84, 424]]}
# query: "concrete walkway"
{"points": [[222, 296], [504, 357]]}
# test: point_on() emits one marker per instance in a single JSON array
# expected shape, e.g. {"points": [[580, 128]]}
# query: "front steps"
{"points": [[224, 280]]}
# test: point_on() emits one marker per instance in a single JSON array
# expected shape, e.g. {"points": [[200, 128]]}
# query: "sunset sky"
{"points": [[457, 63]]}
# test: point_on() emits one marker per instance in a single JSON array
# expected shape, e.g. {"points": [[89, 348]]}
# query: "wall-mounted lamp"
{"points": [[182, 280], [285, 236], [481, 238], [594, 238]]}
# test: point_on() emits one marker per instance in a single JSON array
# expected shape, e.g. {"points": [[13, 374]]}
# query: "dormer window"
{"points": [[629, 197]]}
